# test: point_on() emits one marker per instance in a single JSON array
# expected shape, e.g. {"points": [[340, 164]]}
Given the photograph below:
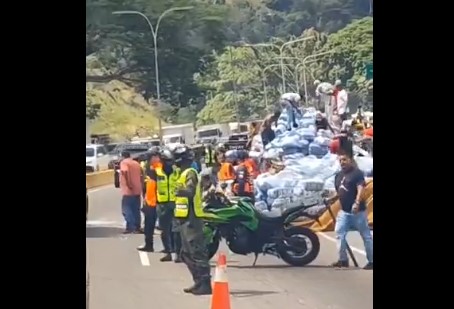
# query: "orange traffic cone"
{"points": [[220, 299]]}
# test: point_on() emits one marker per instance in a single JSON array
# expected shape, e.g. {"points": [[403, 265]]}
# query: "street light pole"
{"points": [[296, 75], [281, 51], [264, 79], [154, 33], [304, 69]]}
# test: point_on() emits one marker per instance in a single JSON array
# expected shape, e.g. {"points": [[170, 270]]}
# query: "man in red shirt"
{"points": [[131, 189]]}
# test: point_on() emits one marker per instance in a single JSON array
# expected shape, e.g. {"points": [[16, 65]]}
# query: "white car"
{"points": [[96, 158]]}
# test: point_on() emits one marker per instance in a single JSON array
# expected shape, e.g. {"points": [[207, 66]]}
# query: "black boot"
{"points": [[192, 288], [166, 258], [178, 259], [146, 248], [204, 288]]}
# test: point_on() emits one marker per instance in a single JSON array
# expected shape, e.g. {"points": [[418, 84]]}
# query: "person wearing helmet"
{"points": [[209, 155], [243, 183], [166, 176], [189, 213]]}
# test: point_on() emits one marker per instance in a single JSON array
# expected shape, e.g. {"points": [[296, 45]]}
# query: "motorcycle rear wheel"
{"points": [[292, 259], [213, 248]]}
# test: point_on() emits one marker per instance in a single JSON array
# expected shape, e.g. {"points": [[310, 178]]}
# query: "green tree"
{"points": [[352, 49], [124, 44], [235, 88]]}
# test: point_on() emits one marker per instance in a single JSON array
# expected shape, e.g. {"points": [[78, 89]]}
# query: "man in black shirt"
{"points": [[349, 183]]}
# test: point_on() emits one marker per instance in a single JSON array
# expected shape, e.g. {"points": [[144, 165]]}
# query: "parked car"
{"points": [[96, 158]]}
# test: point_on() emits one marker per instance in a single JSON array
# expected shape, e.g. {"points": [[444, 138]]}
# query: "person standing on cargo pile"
{"points": [[189, 213], [166, 177], [324, 92], [150, 200], [131, 189], [350, 183], [341, 102]]}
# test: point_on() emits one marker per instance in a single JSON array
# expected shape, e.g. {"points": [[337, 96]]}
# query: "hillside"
{"points": [[122, 111]]}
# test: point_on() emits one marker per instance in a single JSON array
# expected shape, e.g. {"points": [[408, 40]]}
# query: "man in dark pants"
{"points": [[189, 212], [349, 183], [166, 178]]}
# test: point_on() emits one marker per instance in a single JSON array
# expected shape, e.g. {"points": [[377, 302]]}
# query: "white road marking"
{"points": [[100, 188], [362, 252], [103, 223], [144, 258]]}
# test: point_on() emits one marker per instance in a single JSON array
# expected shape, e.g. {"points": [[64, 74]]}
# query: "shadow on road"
{"points": [[279, 266], [102, 232], [250, 293]]}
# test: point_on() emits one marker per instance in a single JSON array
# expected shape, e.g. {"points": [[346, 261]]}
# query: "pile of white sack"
{"points": [[309, 167]]}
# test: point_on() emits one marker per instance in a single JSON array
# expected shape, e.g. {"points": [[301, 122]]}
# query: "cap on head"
{"points": [[338, 82], [316, 82]]}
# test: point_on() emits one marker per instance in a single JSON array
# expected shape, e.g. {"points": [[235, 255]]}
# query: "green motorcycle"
{"points": [[248, 230]]}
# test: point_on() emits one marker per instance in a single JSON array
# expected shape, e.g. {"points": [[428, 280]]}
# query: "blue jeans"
{"points": [[130, 207], [346, 222]]}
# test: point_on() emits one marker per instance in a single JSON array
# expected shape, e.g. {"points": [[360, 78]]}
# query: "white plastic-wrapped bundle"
{"points": [[261, 205], [306, 121], [307, 134], [313, 184], [260, 182], [366, 164], [295, 156], [321, 139], [329, 184], [294, 150], [254, 154], [280, 192], [272, 153], [318, 150], [231, 154], [326, 133]]}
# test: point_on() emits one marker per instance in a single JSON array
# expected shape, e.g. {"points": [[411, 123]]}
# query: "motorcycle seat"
{"points": [[269, 216], [274, 217]]}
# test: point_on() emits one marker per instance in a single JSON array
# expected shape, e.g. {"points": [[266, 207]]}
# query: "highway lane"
{"points": [[121, 278]]}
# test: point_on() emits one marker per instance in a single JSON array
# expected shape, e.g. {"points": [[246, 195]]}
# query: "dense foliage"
{"points": [[205, 71]]}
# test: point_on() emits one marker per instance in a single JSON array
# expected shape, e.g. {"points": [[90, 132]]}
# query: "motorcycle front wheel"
{"points": [[300, 246]]}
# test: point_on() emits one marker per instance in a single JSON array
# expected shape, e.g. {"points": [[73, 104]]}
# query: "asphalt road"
{"points": [[121, 278]]}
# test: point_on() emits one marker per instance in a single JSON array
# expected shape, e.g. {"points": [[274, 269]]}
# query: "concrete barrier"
{"points": [[99, 179]]}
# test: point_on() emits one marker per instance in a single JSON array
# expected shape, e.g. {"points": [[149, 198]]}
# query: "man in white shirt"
{"points": [[323, 92], [342, 101]]}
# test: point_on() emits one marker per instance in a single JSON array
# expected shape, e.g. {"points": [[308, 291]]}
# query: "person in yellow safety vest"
{"points": [[166, 177], [189, 213], [210, 157]]}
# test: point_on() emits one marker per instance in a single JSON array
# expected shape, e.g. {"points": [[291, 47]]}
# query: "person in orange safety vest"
{"points": [[243, 184], [150, 200], [251, 166]]}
